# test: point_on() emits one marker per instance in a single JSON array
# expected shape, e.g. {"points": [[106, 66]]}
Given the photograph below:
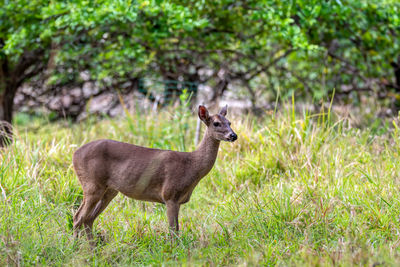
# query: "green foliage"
{"points": [[302, 46], [294, 189], [359, 41]]}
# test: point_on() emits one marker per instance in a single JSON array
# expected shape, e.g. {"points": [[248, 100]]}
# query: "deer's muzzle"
{"points": [[232, 137]]}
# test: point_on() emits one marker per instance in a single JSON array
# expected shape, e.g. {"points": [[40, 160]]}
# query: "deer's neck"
{"points": [[206, 154]]}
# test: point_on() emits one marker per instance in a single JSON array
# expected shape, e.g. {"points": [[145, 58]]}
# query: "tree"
{"points": [[56, 40], [268, 47], [117, 41], [23, 53]]}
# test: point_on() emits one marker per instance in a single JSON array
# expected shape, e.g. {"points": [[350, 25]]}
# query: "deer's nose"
{"points": [[233, 136]]}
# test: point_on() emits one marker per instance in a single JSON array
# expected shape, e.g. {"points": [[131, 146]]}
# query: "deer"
{"points": [[106, 167]]}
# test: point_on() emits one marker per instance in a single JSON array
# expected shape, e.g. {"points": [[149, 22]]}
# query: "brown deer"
{"points": [[106, 167]]}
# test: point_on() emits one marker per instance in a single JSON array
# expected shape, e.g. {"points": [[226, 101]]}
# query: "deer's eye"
{"points": [[229, 123], [217, 124]]}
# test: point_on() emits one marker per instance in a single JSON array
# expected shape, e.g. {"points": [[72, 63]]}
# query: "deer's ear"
{"points": [[223, 111], [203, 114]]}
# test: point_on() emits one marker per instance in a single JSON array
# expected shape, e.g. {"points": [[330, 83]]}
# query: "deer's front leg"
{"points": [[172, 214]]}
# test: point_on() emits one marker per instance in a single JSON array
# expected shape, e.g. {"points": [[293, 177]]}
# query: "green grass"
{"points": [[292, 190]]}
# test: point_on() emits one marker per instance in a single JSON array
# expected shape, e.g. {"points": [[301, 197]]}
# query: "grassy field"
{"points": [[294, 189]]}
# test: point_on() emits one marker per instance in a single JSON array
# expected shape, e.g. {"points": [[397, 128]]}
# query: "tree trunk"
{"points": [[6, 108], [6, 95], [396, 70], [30, 64]]}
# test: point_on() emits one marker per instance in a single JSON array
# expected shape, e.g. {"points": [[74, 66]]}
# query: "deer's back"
{"points": [[135, 171]]}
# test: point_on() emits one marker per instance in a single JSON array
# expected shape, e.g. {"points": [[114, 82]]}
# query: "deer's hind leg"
{"points": [[76, 219], [92, 195], [101, 205]]}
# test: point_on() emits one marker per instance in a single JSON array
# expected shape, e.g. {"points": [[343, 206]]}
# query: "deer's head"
{"points": [[218, 126]]}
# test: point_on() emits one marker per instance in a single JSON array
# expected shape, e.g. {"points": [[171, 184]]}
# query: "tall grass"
{"points": [[294, 189]]}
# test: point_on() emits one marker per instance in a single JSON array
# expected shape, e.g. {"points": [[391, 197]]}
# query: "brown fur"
{"points": [[106, 167]]}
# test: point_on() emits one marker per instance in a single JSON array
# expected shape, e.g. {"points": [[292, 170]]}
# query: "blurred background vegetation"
{"points": [[60, 55]]}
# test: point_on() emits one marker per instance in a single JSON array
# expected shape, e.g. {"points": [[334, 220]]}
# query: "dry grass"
{"points": [[293, 190]]}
